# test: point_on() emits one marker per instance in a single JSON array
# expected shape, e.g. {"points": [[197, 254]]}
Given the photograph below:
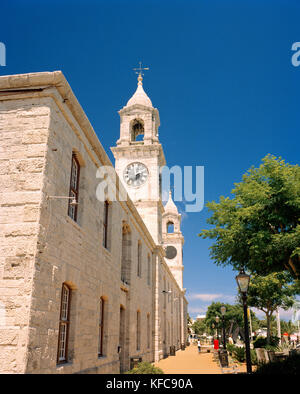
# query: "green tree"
{"points": [[234, 316], [259, 227], [267, 293], [199, 327], [233, 313]]}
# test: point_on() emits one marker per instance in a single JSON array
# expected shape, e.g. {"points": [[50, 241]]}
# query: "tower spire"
{"points": [[140, 97], [170, 206]]}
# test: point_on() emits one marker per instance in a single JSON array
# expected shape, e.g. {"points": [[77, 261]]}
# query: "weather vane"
{"points": [[139, 70]]}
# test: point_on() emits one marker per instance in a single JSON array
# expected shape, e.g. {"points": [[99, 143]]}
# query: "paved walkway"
{"points": [[190, 362]]}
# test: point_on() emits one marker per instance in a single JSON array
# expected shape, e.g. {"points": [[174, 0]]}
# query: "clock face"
{"points": [[171, 252], [135, 174]]}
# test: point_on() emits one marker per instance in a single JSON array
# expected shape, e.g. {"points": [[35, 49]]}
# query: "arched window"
{"points": [[64, 323], [105, 224], [137, 130], [165, 327], [101, 326], [138, 330], [148, 331], [126, 254], [74, 188], [170, 227], [148, 270], [123, 344], [139, 259], [168, 333]]}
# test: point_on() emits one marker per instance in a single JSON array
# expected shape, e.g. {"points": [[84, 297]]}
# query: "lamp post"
{"points": [[243, 281], [217, 321], [223, 311]]}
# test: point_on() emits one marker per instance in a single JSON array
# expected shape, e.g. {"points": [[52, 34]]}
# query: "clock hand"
{"points": [[139, 173]]}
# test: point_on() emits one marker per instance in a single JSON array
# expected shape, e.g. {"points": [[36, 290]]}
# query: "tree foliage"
{"points": [[267, 293], [233, 313], [259, 227], [234, 316], [199, 327]]}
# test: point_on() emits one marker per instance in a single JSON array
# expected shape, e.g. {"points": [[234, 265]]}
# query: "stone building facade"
{"points": [[85, 285]]}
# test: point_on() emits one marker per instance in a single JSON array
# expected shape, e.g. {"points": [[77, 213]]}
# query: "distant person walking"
{"points": [[199, 346]]}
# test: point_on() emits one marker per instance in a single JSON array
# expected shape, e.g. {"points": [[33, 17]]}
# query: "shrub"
{"points": [[239, 354], [253, 357], [230, 348], [290, 366], [145, 368], [261, 342]]}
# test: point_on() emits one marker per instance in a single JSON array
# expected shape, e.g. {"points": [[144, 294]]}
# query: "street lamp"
{"points": [[243, 281], [217, 321], [223, 311]]}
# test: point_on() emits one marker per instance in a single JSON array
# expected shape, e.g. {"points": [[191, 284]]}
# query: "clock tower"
{"points": [[139, 156], [173, 240]]}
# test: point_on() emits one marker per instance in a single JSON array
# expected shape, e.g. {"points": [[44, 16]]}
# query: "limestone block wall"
{"points": [[168, 312], [140, 293], [72, 253], [23, 143], [42, 247]]}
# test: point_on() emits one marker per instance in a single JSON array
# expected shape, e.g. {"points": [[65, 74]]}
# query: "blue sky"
{"points": [[220, 75]]}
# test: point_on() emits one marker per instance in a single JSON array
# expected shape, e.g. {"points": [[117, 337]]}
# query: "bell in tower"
{"points": [[139, 157], [137, 130], [139, 119]]}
